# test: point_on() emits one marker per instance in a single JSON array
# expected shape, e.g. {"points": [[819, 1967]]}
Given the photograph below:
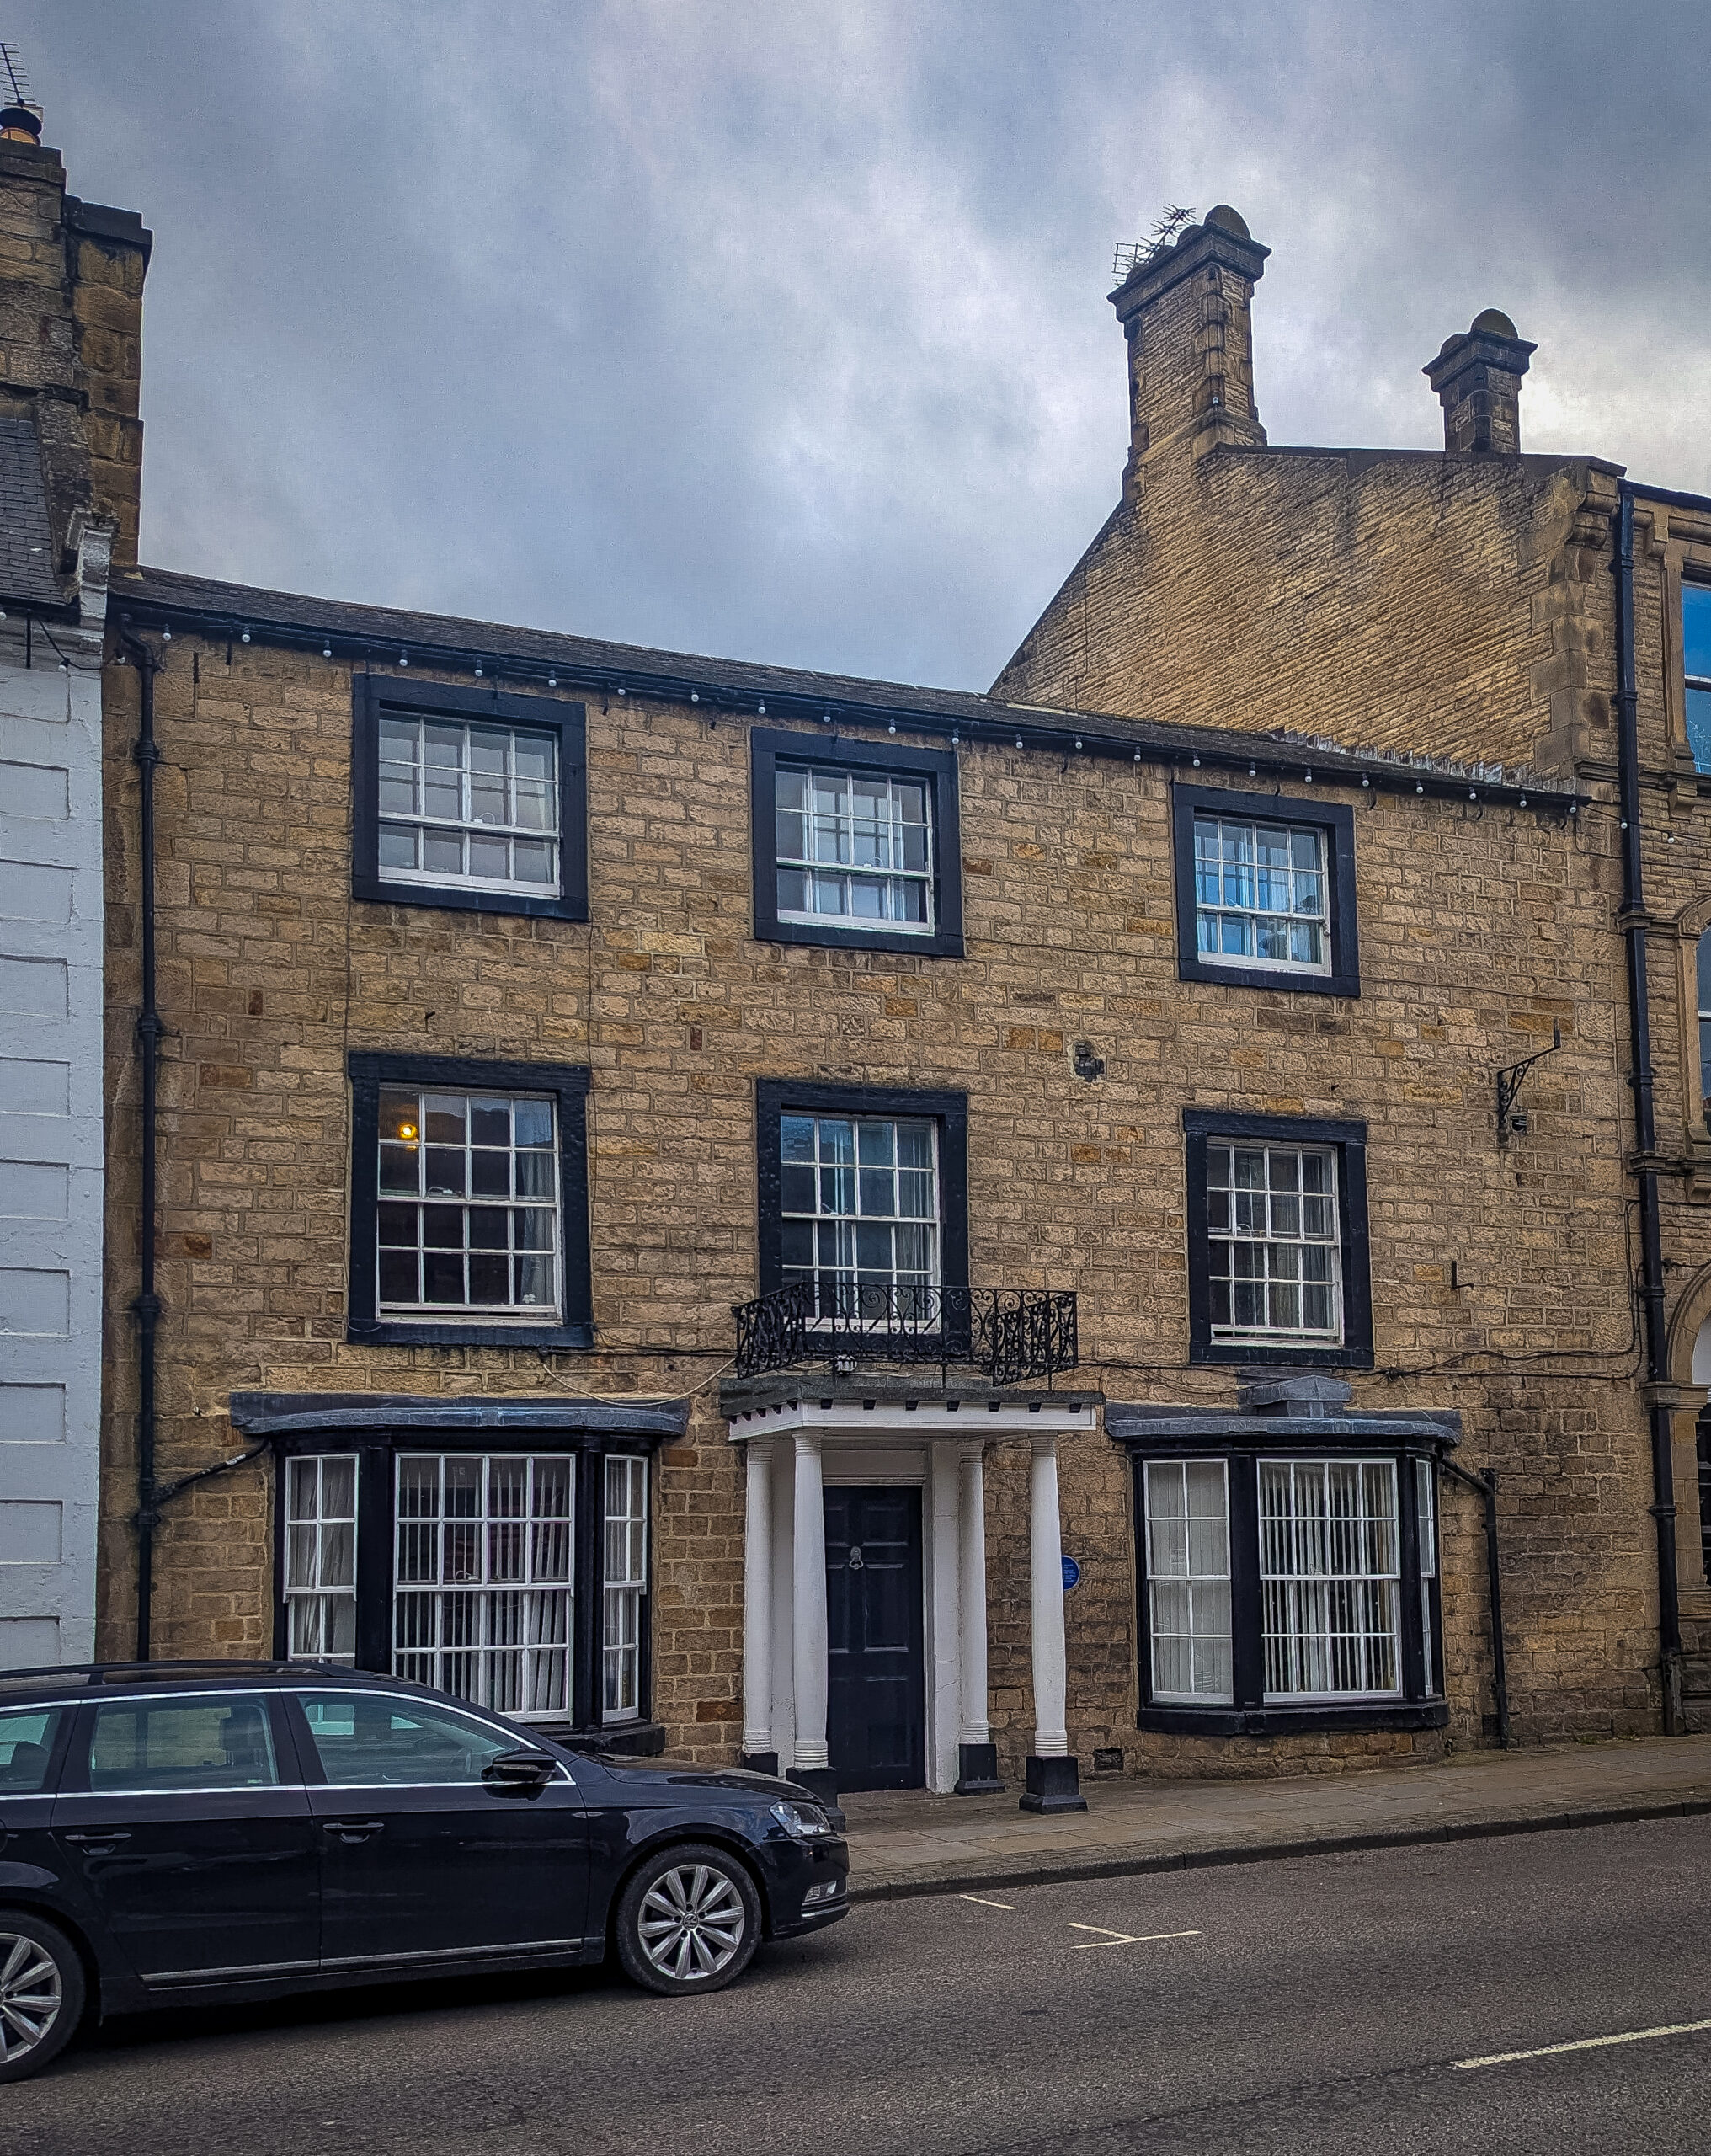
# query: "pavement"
{"points": [[905, 1842], [1541, 1995]]}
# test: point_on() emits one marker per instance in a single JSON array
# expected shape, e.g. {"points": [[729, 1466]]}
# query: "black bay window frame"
{"points": [[376, 1452], [374, 696], [1249, 1714], [567, 1084], [1336, 821], [1348, 1140], [777, 1097], [768, 749]]}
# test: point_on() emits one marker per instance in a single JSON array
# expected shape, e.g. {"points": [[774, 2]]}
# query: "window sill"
{"points": [[1345, 1357], [1282, 979], [378, 891], [938, 944], [1286, 1721], [390, 1335]]}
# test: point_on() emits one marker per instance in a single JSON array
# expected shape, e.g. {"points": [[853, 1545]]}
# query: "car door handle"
{"points": [[96, 1843], [353, 1830]]}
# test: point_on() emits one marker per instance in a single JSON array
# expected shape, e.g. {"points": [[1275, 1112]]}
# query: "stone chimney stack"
{"points": [[1478, 380], [1187, 312], [71, 339]]}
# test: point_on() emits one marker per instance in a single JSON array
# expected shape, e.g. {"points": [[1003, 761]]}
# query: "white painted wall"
{"points": [[51, 1130]]}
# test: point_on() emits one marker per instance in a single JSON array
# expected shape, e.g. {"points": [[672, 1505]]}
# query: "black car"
{"points": [[190, 1832]]}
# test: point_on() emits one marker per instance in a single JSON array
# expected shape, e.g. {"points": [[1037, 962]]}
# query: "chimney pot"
{"points": [[1477, 376], [21, 123]]}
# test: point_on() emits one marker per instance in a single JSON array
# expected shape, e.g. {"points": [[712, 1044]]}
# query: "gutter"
{"points": [[1276, 756], [1641, 1078]]}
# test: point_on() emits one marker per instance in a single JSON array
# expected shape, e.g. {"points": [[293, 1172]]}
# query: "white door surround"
{"points": [[795, 1449]]}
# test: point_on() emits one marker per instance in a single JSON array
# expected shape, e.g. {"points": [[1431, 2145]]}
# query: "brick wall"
{"points": [[1479, 928]]}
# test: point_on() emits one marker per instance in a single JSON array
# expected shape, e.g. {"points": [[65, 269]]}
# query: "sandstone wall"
{"points": [[1479, 928]]}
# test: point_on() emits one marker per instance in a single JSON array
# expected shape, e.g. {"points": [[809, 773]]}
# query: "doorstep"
{"points": [[904, 1841]]}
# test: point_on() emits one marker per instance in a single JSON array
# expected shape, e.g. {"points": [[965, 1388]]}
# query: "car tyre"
{"points": [[688, 1920], [43, 1993]]}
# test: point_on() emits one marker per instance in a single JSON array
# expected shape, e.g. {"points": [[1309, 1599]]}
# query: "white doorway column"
{"points": [[808, 1579], [1053, 1777], [976, 1756], [758, 1747], [942, 1570]]}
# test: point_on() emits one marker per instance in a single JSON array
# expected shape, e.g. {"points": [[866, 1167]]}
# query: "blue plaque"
{"points": [[1072, 1574]]}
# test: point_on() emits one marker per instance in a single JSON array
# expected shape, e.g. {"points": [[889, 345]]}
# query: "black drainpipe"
{"points": [[149, 1029], [1484, 1487], [1663, 1479]]}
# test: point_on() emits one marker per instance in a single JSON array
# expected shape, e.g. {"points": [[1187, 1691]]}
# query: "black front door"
{"points": [[876, 1723]]}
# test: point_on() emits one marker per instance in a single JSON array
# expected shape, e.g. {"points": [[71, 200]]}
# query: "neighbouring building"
{"points": [[1538, 613], [934, 1238], [71, 289]]}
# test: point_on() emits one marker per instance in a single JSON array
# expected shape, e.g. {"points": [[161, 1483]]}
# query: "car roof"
{"points": [[18, 1685]]}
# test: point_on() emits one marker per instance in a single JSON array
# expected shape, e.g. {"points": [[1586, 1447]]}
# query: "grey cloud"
{"points": [[781, 330]]}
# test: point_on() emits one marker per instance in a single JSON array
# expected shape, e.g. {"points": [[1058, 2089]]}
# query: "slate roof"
{"points": [[522, 657], [27, 566]]}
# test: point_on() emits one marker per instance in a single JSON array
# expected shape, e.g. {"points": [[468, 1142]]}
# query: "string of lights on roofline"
{"points": [[1401, 774]]}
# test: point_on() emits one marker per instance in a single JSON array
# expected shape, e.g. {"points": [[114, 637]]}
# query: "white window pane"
{"points": [[1260, 893], [320, 1500], [1187, 1544], [864, 821], [480, 1147], [862, 1195], [483, 1605], [1272, 1228], [1329, 1557], [454, 794]]}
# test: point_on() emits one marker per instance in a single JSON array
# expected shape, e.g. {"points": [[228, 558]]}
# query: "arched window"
{"points": [[1702, 1375], [1704, 973]]}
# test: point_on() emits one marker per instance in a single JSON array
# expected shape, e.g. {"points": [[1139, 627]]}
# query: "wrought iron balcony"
{"points": [[1011, 1334]]}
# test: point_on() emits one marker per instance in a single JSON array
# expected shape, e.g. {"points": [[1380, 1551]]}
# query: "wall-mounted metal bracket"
{"points": [[1509, 1082]]}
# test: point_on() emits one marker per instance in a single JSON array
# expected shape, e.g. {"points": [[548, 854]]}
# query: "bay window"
{"points": [[510, 1568], [1285, 1585]]}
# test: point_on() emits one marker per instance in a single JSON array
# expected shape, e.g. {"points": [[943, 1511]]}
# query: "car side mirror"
{"points": [[519, 1771]]}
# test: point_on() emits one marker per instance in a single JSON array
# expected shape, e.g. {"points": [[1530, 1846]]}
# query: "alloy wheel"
{"points": [[31, 1994], [691, 1922]]}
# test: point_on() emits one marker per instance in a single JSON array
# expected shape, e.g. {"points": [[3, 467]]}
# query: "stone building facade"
{"points": [[1481, 602], [686, 1191]]}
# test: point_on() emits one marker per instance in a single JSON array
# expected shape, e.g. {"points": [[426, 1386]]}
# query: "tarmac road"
{"points": [[1317, 2005]]}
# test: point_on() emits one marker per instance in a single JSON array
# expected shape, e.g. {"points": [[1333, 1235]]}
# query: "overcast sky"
{"points": [[779, 330]]}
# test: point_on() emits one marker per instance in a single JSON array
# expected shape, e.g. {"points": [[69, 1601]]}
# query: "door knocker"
{"points": [[855, 1563]]}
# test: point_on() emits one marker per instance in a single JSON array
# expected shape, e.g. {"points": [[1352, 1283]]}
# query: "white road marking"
{"points": [[1588, 2044], [985, 1904], [1122, 1938]]}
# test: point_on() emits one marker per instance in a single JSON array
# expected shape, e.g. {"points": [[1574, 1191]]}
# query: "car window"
{"points": [[26, 1747], [368, 1737], [219, 1743]]}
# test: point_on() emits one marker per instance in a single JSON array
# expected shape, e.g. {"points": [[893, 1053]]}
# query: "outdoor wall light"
{"points": [[1088, 1066]]}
